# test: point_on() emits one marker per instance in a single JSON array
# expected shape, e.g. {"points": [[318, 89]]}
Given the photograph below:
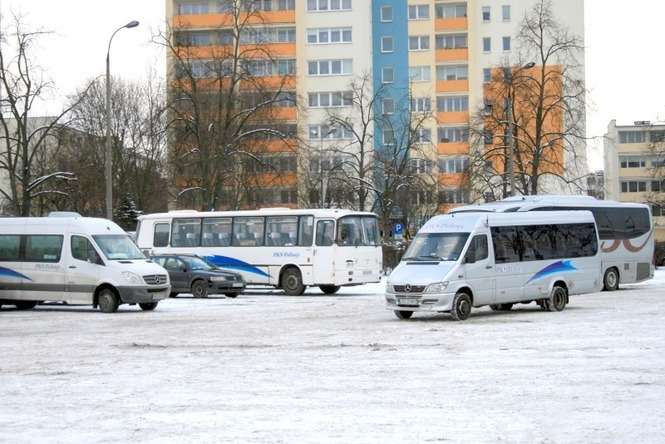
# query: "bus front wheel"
{"points": [[329, 289], [292, 282], [611, 280]]}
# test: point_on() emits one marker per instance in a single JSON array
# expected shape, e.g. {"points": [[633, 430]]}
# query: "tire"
{"points": [[25, 305], [292, 282], [200, 289], [558, 299], [108, 301], [461, 308], [148, 306], [173, 294], [404, 315], [329, 289], [501, 307], [611, 279], [231, 295]]}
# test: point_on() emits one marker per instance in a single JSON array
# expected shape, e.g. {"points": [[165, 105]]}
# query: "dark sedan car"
{"points": [[191, 274]]}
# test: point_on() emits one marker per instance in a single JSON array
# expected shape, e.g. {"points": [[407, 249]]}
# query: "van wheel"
{"points": [[148, 306], [25, 305], [329, 289], [461, 307], [404, 315], [108, 301], [199, 289], [611, 280], [558, 299], [292, 282]]}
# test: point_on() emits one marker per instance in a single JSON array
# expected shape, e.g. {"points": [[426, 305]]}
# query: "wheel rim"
{"points": [[558, 299], [463, 307], [611, 279], [198, 290], [291, 282]]}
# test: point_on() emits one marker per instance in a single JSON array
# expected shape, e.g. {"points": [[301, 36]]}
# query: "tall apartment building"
{"points": [[438, 54], [635, 167]]}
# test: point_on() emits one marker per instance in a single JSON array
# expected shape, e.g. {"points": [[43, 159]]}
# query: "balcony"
{"points": [[207, 21], [447, 86], [248, 51], [452, 55], [451, 24], [446, 148], [451, 180], [453, 117]]}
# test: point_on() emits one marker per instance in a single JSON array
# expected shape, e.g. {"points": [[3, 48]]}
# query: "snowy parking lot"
{"points": [[270, 368]]}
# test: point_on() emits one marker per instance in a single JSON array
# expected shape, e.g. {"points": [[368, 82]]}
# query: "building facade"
{"points": [[425, 56], [635, 167]]}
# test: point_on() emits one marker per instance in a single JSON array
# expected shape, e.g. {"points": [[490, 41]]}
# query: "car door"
{"points": [[507, 263], [85, 268], [178, 273], [43, 267], [324, 252], [479, 270]]}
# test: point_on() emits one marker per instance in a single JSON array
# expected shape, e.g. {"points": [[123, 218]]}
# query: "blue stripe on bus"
{"points": [[235, 264], [8, 272], [557, 267]]}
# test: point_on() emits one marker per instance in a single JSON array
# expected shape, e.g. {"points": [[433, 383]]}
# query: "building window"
{"points": [[632, 162], [657, 136], [487, 14], [452, 72], [449, 165], [454, 196], [323, 36], [505, 13], [656, 186], [420, 73], [424, 135], [388, 136], [451, 41], [267, 35], [453, 134], [334, 67], [506, 43], [328, 132], [633, 186], [418, 43], [420, 166], [632, 136], [487, 75], [387, 44], [418, 12], [387, 74], [386, 14], [328, 5], [449, 104], [421, 104], [193, 8], [388, 106], [333, 99], [450, 11], [487, 44]]}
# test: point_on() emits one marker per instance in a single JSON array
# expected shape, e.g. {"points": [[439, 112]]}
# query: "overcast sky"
{"points": [[624, 66]]}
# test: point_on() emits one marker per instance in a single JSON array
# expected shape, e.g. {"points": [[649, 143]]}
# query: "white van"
{"points": [[77, 260], [460, 261]]}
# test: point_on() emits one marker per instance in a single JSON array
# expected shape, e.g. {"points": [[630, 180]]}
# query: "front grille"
{"points": [[408, 288], [155, 279]]}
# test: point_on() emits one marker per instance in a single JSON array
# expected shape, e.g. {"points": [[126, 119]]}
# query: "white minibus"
{"points": [[460, 261], [280, 247], [625, 229], [77, 260]]}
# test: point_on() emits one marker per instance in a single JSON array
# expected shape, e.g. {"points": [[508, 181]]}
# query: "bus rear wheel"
{"points": [[292, 282], [558, 299], [329, 289], [611, 280]]}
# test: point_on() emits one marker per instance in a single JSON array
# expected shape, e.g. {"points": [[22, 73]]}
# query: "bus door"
{"points": [[324, 252]]}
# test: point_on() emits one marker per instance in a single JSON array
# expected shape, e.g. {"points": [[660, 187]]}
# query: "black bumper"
{"points": [[224, 287], [139, 295]]}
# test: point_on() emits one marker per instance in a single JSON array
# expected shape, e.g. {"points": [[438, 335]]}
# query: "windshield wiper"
{"points": [[434, 257]]}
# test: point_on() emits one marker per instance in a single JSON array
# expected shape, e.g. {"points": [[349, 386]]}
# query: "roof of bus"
{"points": [[89, 225], [467, 222], [527, 202], [332, 212]]}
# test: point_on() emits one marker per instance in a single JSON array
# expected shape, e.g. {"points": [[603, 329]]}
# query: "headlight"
{"points": [[218, 279], [389, 287], [132, 278], [439, 287]]}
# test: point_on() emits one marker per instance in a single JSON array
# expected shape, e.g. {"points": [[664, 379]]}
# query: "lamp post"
{"points": [[508, 76], [109, 151]]}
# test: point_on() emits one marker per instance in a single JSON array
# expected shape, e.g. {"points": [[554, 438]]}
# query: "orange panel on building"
{"points": [[453, 117], [452, 86], [452, 180], [213, 21], [452, 55], [452, 24], [452, 148]]}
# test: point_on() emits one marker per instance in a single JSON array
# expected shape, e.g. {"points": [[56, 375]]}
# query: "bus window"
{"points": [[281, 231], [248, 231], [43, 248], [306, 232], [349, 232], [325, 233], [506, 245], [161, 235], [186, 233], [10, 246], [371, 231], [216, 232]]}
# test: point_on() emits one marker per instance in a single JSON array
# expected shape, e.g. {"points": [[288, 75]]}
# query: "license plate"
{"points": [[408, 301]]}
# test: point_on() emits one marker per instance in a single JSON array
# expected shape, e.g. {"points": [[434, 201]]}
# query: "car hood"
{"points": [[141, 267], [420, 273]]}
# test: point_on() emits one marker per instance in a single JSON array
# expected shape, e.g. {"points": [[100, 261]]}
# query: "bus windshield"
{"points": [[358, 231], [117, 247], [436, 247]]}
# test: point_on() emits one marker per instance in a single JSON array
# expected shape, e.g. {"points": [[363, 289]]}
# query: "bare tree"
{"points": [[24, 137], [534, 113]]}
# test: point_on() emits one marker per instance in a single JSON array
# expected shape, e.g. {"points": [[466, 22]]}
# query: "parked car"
{"points": [[190, 273]]}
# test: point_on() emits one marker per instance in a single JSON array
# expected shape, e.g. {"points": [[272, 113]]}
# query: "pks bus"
{"points": [[625, 230], [280, 247]]}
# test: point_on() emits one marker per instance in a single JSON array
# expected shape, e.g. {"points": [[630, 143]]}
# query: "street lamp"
{"points": [[508, 76], [109, 151]]}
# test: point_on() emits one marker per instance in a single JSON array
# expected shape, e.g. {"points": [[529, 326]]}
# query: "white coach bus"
{"points": [[625, 230], [460, 261], [280, 247], [78, 260]]}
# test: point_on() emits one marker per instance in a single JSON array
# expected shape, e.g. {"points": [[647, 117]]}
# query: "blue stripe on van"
{"points": [[235, 264], [557, 267], [8, 272]]}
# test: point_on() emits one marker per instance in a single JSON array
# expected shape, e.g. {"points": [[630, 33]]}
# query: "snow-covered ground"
{"points": [[270, 368]]}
